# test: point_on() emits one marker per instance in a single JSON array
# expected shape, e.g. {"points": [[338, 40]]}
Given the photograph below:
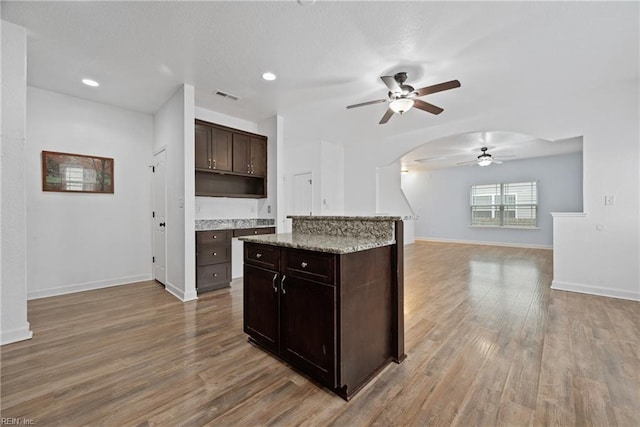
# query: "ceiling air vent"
{"points": [[227, 95]]}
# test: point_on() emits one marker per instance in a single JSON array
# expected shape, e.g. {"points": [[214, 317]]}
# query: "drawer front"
{"points": [[310, 265], [211, 274], [216, 236], [264, 256], [253, 231], [213, 254]]}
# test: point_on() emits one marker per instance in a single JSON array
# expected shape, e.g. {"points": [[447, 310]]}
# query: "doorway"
{"points": [[302, 188], [159, 216]]}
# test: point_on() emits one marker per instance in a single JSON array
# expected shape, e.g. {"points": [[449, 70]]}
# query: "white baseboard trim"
{"points": [[179, 293], [88, 286], [594, 290], [16, 334], [475, 242]]}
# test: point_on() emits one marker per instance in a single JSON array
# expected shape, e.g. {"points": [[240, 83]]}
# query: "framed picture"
{"points": [[76, 173]]}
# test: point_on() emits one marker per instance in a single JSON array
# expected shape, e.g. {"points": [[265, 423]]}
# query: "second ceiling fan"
{"points": [[402, 97]]}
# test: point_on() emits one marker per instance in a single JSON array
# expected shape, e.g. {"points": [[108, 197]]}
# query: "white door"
{"points": [[159, 217], [302, 194]]}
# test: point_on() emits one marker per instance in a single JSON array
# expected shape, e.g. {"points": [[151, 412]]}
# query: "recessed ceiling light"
{"points": [[90, 82], [269, 76]]}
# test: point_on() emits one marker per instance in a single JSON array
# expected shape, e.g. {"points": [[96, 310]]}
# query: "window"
{"points": [[505, 205]]}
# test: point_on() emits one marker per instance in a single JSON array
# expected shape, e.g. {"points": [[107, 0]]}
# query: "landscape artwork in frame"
{"points": [[76, 173]]}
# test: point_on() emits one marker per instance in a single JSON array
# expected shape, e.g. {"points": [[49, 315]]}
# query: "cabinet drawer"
{"points": [[264, 256], [213, 254], [310, 265], [253, 231], [216, 236], [211, 274]]}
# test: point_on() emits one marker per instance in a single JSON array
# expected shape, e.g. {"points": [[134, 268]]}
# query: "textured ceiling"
{"points": [[329, 55]]}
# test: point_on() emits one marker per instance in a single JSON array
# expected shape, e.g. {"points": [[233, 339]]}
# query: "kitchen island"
{"points": [[328, 297]]}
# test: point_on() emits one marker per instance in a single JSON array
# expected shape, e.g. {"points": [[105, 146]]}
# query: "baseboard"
{"points": [[594, 290], [179, 293], [475, 242], [15, 335], [88, 286]]}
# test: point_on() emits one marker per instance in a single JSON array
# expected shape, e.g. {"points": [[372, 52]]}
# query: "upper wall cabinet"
{"points": [[229, 162], [213, 148], [250, 154]]}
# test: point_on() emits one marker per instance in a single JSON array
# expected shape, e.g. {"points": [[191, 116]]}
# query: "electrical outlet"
{"points": [[609, 200], [268, 208]]}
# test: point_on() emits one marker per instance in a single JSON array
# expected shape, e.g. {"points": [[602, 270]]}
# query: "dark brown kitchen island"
{"points": [[328, 297]]}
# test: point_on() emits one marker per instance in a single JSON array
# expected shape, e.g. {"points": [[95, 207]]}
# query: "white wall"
{"points": [[13, 225], [331, 179], [440, 198], [174, 130], [325, 161], [81, 241]]}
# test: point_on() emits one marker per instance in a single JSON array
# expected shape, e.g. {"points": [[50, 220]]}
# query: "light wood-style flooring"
{"points": [[488, 344]]}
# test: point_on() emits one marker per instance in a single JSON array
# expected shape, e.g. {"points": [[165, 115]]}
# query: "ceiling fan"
{"points": [[402, 97], [484, 159]]}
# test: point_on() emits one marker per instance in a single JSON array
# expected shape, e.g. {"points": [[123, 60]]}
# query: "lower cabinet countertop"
{"points": [[233, 224]]}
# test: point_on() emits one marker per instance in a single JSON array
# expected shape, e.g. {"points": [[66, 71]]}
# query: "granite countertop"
{"points": [[233, 224], [320, 243], [346, 218]]}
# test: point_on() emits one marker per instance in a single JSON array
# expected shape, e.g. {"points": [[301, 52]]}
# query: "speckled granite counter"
{"points": [[320, 243], [334, 234], [233, 224]]}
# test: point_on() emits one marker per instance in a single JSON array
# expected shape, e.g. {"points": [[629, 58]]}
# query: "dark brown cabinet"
{"points": [[229, 162], [330, 316], [249, 155], [213, 149], [213, 260]]}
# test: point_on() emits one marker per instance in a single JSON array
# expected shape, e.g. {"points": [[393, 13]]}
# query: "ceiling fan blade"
{"points": [[438, 88], [467, 163], [497, 162], [502, 157], [425, 106], [391, 83], [386, 116], [362, 104]]}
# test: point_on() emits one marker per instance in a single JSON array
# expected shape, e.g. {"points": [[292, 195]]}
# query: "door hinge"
{"points": [[153, 259], [309, 182], [153, 214], [153, 169]]}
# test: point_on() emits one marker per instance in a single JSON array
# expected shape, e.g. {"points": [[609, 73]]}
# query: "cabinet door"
{"points": [[261, 306], [221, 149], [307, 327], [241, 158], [258, 156], [203, 146]]}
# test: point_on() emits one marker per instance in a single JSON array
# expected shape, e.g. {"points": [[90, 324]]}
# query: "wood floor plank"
{"points": [[488, 343]]}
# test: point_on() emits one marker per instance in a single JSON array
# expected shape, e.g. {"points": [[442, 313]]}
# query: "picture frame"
{"points": [[76, 173]]}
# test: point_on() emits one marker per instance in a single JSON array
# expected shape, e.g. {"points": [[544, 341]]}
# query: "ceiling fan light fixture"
{"points": [[401, 105], [484, 161]]}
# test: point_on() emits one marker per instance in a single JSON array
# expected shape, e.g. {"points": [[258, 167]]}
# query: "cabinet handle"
{"points": [[251, 168], [248, 168], [214, 163], [215, 254], [258, 256], [215, 274], [304, 264], [255, 231], [215, 237], [282, 284], [273, 283], [209, 163]]}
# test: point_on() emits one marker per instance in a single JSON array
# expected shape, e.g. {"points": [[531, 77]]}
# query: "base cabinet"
{"points": [[320, 313]]}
